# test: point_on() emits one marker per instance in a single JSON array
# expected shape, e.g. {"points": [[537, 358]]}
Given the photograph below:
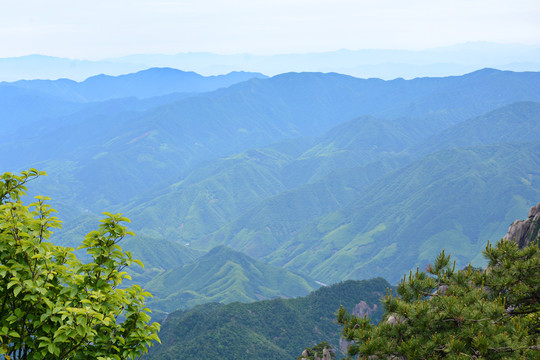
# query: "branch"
{"points": [[511, 349]]}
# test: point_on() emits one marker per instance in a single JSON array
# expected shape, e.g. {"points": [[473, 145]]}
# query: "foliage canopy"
{"points": [[465, 314], [54, 305]]}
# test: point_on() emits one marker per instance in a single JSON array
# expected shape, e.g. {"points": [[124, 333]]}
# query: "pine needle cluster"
{"points": [[491, 313]]}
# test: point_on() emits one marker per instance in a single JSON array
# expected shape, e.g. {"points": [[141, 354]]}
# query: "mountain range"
{"points": [[377, 63], [313, 177]]}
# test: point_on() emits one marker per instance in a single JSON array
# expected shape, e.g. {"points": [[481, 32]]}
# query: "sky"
{"points": [[99, 29]]}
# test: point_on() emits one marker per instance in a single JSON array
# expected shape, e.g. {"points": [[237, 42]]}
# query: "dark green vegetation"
{"points": [[327, 175], [52, 304], [457, 314], [271, 329]]}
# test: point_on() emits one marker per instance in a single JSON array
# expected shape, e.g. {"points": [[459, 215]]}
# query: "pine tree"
{"points": [[458, 314]]}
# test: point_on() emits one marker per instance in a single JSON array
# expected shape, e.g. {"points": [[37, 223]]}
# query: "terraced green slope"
{"points": [[213, 195], [455, 199], [224, 275]]}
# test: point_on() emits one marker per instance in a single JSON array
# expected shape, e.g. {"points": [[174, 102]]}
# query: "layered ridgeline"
{"points": [[223, 275], [354, 221], [386, 64], [214, 194], [454, 199], [360, 171], [114, 154], [35, 102], [271, 329], [143, 84]]}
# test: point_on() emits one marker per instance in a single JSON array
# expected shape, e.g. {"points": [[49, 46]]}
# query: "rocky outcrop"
{"points": [[362, 309], [526, 231], [326, 355]]}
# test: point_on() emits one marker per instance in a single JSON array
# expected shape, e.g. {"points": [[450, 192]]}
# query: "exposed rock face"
{"points": [[525, 231], [362, 309], [326, 355]]}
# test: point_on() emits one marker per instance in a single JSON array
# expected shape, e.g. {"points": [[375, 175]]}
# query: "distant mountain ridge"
{"points": [[378, 233], [166, 140], [147, 83], [367, 63], [281, 216]]}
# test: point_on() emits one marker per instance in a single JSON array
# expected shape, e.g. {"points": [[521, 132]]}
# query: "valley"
{"points": [[254, 195]]}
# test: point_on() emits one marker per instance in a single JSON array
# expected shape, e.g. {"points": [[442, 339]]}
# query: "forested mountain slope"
{"points": [[213, 195], [515, 122], [327, 175], [224, 275], [143, 149], [454, 199], [271, 329]]}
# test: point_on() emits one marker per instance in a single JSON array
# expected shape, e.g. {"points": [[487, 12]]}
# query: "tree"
{"points": [[52, 305], [465, 314]]}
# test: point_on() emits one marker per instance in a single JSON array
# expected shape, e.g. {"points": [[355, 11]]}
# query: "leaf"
{"points": [[81, 330]]}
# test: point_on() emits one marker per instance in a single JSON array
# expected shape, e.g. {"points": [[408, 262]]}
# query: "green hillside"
{"points": [[213, 195], [107, 160], [454, 199], [158, 255], [223, 275], [275, 220], [252, 201], [271, 329], [516, 122], [305, 171], [210, 196]]}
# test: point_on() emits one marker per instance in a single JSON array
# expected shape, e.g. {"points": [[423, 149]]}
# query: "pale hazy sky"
{"points": [[106, 28]]}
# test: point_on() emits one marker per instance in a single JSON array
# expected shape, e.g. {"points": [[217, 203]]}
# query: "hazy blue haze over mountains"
{"points": [[331, 176], [385, 64], [143, 84], [455, 199]]}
